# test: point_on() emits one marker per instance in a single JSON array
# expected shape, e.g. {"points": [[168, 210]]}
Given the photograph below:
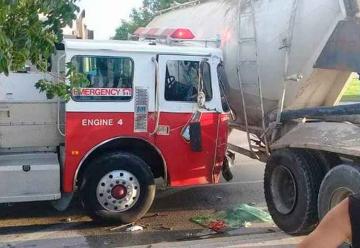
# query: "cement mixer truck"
{"points": [[285, 67]]}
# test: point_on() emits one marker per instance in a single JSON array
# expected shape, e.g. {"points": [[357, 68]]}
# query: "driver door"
{"points": [[178, 83]]}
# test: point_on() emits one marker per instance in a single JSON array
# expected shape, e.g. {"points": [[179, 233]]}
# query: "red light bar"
{"points": [[172, 33], [139, 31], [167, 32], [182, 34], [152, 32]]}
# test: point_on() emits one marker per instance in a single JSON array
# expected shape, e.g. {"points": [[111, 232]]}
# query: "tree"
{"points": [[142, 16], [29, 30]]}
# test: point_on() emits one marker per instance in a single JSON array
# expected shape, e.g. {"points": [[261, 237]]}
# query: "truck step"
{"points": [[29, 177]]}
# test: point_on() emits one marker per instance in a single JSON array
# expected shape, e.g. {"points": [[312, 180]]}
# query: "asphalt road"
{"points": [[39, 225]]}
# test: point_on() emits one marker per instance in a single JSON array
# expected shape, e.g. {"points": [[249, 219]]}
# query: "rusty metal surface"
{"points": [[342, 138]]}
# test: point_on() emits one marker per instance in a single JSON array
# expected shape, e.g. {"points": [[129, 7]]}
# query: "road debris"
{"points": [[153, 215], [237, 217], [202, 235], [218, 226], [135, 228], [67, 220], [166, 228], [119, 228]]}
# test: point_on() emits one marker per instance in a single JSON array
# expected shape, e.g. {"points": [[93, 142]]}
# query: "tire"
{"points": [[338, 184], [326, 159], [117, 187], [291, 185]]}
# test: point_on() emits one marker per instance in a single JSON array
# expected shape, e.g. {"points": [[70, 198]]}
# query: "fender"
{"points": [[342, 138], [114, 139]]}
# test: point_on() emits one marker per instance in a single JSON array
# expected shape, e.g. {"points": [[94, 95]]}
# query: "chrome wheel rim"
{"points": [[118, 191], [339, 195]]}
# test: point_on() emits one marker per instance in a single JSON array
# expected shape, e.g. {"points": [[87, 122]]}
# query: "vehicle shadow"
{"points": [[35, 216]]}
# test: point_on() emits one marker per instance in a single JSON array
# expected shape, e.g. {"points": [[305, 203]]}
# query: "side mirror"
{"points": [[192, 132], [195, 136]]}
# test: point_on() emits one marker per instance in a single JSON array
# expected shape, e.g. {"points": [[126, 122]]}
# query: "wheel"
{"points": [[326, 159], [339, 183], [118, 187], [291, 185]]}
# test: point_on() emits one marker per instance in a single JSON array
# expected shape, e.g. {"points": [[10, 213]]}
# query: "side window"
{"points": [[111, 78], [182, 80]]}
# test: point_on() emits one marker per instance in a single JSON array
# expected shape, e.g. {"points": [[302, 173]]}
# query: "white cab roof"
{"points": [[139, 46]]}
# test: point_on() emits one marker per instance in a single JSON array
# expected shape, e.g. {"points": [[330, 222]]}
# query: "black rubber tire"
{"points": [[110, 162], [307, 175], [341, 176], [326, 159]]}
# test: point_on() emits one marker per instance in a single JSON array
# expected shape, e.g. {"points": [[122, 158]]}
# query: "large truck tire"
{"points": [[328, 160], [118, 187], [291, 185], [339, 183]]}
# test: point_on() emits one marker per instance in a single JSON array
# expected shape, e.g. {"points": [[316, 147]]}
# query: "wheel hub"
{"points": [[284, 190], [339, 195], [118, 191]]}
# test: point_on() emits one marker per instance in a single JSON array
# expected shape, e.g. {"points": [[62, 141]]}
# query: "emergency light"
{"points": [[169, 33]]}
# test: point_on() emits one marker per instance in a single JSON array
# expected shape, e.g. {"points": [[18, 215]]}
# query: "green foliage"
{"points": [[61, 88], [29, 29], [352, 92], [142, 16]]}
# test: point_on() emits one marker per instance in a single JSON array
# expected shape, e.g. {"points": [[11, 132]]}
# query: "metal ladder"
{"points": [[248, 71]]}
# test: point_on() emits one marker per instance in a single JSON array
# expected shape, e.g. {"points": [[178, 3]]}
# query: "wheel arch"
{"points": [[137, 146]]}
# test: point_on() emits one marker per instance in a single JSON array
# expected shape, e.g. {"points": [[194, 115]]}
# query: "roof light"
{"points": [[152, 32], [170, 33], [139, 31], [182, 34]]}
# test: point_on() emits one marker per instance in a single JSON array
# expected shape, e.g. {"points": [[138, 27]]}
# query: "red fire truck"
{"points": [[152, 110]]}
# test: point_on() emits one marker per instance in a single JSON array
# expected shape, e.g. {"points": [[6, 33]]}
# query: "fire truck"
{"points": [[152, 110]]}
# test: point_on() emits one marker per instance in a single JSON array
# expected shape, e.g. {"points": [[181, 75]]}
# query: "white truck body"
{"points": [[305, 26]]}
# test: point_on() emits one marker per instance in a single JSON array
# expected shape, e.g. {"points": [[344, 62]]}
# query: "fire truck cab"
{"points": [[151, 111]]}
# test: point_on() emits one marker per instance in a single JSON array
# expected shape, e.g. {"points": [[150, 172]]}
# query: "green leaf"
{"points": [[25, 36]]}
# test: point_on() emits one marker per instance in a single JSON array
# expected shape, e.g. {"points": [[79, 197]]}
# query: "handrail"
{"points": [[157, 101], [58, 100], [179, 6]]}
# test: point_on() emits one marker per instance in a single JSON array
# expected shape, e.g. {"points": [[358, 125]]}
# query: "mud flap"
{"points": [[226, 168], [63, 203]]}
